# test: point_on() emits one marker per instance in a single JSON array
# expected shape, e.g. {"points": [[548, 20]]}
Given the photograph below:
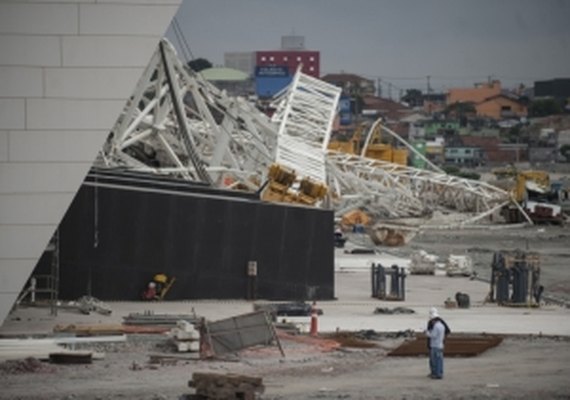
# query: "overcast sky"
{"points": [[456, 42]]}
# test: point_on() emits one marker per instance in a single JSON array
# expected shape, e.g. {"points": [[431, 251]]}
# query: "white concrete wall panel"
{"points": [[33, 208], [107, 51], [35, 51], [4, 146], [49, 146], [91, 83], [124, 19], [72, 114], [46, 178], [39, 19], [12, 113], [13, 275], [67, 68], [24, 241], [21, 82], [134, 2]]}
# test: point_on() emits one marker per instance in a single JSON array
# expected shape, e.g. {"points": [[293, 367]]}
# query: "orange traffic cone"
{"points": [[314, 331]]}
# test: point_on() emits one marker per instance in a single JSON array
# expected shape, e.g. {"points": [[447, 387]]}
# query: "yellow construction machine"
{"points": [[375, 146], [282, 186], [533, 191]]}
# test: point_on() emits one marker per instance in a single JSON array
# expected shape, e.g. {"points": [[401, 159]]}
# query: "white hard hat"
{"points": [[151, 285], [433, 312]]}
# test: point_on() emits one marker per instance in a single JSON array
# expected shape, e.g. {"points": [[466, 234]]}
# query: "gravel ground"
{"points": [[521, 367]]}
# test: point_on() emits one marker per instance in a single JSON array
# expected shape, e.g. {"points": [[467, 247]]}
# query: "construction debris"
{"points": [[225, 386], [150, 318], [13, 349], [455, 346], [422, 263], [186, 338], [88, 304], [459, 266], [395, 310], [82, 357], [25, 366], [108, 329], [295, 309], [236, 333]]}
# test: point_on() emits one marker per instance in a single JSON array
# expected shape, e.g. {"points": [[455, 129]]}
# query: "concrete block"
{"points": [[188, 346], [91, 83], [72, 114], [20, 178], [24, 241], [120, 19], [36, 51], [21, 82], [44, 208], [39, 19], [12, 113], [3, 146], [54, 146], [108, 51]]}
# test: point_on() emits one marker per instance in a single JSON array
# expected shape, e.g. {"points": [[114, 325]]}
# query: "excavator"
{"points": [[531, 189]]}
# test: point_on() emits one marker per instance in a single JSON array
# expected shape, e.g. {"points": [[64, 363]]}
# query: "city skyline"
{"points": [[454, 42]]}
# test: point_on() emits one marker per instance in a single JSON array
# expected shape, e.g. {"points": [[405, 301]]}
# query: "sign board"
{"points": [[280, 71]]}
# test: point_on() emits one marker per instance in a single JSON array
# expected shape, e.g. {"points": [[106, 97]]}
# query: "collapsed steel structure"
{"points": [[178, 123]]}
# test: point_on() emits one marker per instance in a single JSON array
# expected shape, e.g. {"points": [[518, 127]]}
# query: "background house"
{"points": [[501, 106], [475, 95]]}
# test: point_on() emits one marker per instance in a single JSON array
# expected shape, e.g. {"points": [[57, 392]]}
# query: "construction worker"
{"points": [[150, 293], [436, 332]]}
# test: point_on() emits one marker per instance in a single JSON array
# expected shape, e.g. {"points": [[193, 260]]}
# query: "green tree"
{"points": [[413, 97], [544, 107], [199, 64], [565, 151]]}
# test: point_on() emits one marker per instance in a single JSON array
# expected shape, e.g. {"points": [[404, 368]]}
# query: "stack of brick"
{"points": [[185, 337], [226, 386]]}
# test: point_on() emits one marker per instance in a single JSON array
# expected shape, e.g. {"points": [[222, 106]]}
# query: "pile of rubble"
{"points": [[25, 366]]}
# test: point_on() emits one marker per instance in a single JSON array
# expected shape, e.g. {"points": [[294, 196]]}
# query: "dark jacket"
{"points": [[430, 327]]}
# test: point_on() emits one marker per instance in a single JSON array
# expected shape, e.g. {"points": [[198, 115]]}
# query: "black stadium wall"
{"points": [[121, 229]]}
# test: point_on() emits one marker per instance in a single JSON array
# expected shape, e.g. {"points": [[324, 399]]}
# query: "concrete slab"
{"points": [[353, 309]]}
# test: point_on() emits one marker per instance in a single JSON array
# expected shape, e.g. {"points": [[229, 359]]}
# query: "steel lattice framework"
{"points": [[178, 123], [305, 114]]}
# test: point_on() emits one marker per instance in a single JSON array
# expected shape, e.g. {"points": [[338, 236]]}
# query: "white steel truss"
{"points": [[178, 123], [389, 190], [305, 113]]}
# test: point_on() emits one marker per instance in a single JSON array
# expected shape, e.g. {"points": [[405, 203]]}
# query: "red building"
{"points": [[310, 60]]}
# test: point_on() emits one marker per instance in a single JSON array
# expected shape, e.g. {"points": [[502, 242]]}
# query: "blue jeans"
{"points": [[436, 362]]}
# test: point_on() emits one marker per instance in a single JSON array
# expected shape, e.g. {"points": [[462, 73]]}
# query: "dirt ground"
{"points": [[521, 367], [518, 368]]}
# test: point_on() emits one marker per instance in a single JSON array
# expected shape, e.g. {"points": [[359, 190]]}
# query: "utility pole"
{"points": [[390, 90], [379, 87], [428, 87]]}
